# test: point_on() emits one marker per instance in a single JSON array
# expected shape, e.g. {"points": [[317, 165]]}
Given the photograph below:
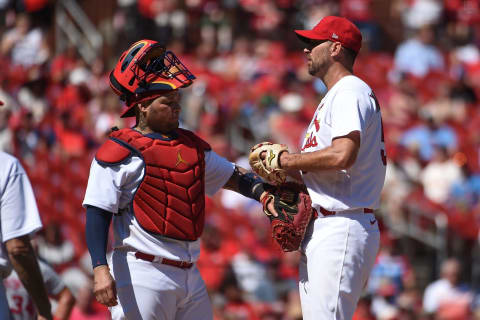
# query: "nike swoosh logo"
{"points": [[372, 222]]}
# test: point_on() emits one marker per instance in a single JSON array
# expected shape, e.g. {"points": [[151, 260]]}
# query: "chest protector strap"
{"points": [[170, 200]]}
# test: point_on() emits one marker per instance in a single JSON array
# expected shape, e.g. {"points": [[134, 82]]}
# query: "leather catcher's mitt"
{"points": [[294, 208], [270, 170]]}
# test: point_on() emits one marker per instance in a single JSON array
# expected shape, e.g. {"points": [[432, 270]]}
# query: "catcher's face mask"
{"points": [[146, 70]]}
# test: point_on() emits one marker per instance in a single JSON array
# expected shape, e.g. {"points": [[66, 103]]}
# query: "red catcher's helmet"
{"points": [[146, 70]]}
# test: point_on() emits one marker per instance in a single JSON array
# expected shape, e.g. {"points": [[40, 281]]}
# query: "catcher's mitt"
{"points": [[269, 169], [294, 209]]}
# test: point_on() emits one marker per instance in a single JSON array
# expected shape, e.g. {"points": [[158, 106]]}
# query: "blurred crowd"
{"points": [[421, 57]]}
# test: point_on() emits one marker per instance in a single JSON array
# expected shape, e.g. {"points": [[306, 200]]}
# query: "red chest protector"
{"points": [[171, 197]]}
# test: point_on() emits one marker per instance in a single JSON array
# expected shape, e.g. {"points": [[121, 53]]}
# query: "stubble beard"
{"points": [[313, 68]]}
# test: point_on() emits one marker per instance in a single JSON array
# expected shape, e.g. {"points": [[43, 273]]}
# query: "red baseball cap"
{"points": [[334, 29]]}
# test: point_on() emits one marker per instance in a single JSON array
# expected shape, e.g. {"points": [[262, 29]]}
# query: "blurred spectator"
{"points": [[24, 44], [21, 304], [54, 248], [419, 13], [446, 297], [440, 175], [252, 278], [428, 135], [419, 55]]}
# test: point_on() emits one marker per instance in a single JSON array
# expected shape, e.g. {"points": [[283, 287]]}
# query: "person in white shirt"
{"points": [[21, 304], [447, 292], [153, 179], [19, 219], [342, 163]]}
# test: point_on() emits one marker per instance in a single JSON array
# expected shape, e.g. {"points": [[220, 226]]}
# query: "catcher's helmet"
{"points": [[146, 70]]}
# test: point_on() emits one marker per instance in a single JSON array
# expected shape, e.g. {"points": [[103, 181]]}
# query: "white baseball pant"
{"points": [[338, 254], [154, 291]]}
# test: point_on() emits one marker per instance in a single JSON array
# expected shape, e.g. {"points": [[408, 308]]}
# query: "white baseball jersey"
{"points": [[349, 105], [116, 197], [20, 303]]}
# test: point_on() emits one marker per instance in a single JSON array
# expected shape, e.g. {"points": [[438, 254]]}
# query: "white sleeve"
{"points": [[217, 172], [348, 114], [18, 207], [106, 183]]}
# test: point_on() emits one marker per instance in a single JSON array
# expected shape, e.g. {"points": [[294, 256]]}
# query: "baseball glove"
{"points": [[294, 209], [269, 169]]}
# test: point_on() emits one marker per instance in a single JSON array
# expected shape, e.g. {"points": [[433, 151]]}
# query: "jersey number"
{"points": [[383, 154], [17, 309]]}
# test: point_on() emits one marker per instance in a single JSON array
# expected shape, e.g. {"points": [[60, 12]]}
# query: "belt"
{"points": [[326, 212], [173, 263]]}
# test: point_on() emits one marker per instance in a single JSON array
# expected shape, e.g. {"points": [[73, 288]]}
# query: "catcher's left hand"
{"points": [[268, 166], [292, 213]]}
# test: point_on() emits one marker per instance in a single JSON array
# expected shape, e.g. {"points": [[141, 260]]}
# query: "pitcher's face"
{"points": [[318, 57]]}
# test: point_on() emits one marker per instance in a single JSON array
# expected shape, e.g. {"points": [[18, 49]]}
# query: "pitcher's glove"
{"points": [[269, 168], [294, 209]]}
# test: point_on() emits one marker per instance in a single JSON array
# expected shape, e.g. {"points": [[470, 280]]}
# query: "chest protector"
{"points": [[170, 200]]}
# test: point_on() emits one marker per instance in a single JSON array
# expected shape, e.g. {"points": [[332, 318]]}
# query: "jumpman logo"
{"points": [[180, 159]]}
